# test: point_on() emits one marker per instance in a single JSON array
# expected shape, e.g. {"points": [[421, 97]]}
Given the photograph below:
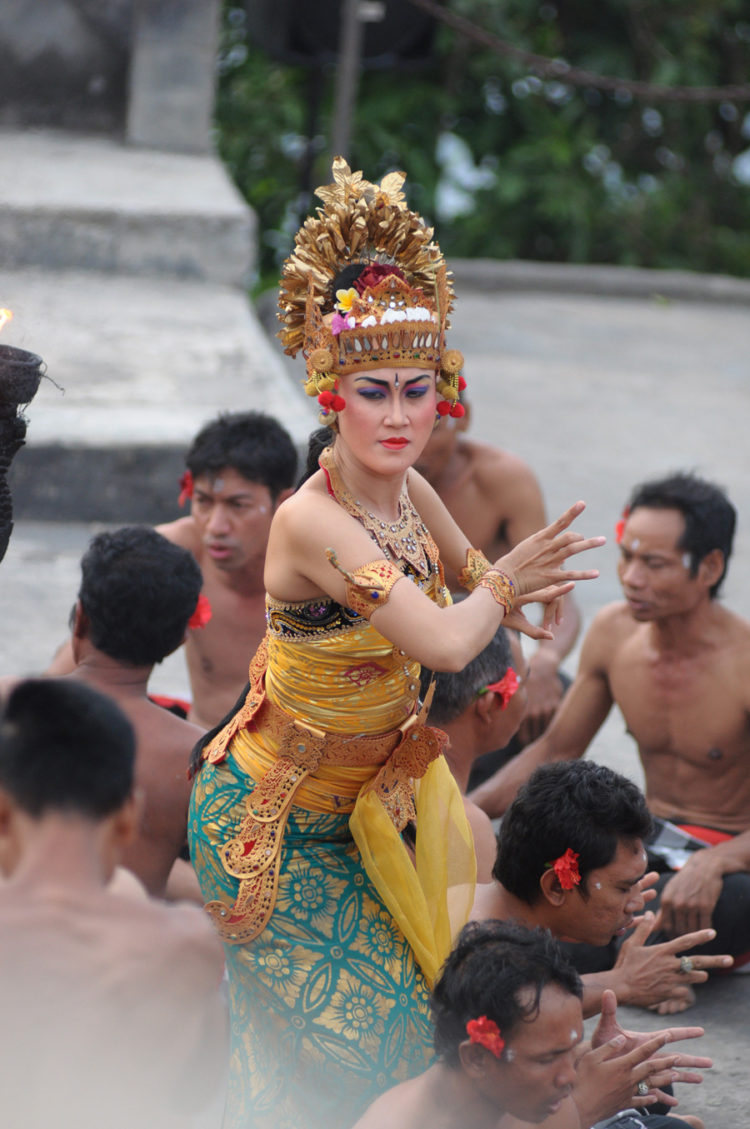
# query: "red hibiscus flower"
{"points": [[374, 274], [202, 613], [566, 869], [187, 485], [506, 687], [487, 1033]]}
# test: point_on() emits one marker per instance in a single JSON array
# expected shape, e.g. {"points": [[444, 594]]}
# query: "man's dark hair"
{"points": [[710, 517], [65, 747], [455, 691], [138, 591], [578, 804], [253, 444], [491, 965]]}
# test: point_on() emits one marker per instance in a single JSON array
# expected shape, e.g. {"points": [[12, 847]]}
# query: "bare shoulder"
{"points": [[610, 628], [498, 469], [182, 933], [183, 532]]}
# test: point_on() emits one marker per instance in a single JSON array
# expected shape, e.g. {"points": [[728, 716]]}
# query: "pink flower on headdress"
{"points": [[375, 273], [202, 613], [566, 869], [338, 323], [187, 485], [487, 1033]]}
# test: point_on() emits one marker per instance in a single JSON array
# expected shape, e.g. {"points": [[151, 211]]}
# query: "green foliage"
{"points": [[510, 166]]}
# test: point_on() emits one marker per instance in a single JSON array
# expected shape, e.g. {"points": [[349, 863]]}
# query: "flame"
{"points": [[5, 316]]}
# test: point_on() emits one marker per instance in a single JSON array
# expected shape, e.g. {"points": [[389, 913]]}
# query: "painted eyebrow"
{"points": [[386, 384]]}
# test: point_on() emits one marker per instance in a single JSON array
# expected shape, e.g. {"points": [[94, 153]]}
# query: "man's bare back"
{"points": [[163, 746], [111, 1008]]}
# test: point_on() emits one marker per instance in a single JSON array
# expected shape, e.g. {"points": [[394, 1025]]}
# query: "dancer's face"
{"points": [[389, 415]]}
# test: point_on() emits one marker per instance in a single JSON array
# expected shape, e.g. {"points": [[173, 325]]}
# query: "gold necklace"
{"points": [[405, 539]]}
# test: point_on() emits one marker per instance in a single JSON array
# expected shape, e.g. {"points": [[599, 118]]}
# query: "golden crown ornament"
{"points": [[394, 314]]}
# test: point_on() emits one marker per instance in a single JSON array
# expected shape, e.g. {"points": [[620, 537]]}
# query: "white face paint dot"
{"points": [[262, 509], [509, 1055], [218, 484], [635, 543], [686, 561], [573, 1035], [597, 885]]}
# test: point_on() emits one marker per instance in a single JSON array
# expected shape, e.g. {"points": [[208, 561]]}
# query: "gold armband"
{"points": [[501, 586], [368, 587], [474, 569]]}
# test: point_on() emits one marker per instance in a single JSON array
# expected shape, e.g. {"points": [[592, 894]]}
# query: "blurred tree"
{"points": [[510, 165]]}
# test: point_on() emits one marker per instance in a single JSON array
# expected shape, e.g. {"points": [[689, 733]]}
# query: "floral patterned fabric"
{"points": [[328, 1005]]}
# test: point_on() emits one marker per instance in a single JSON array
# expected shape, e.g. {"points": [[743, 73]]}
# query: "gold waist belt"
{"points": [[376, 778]]}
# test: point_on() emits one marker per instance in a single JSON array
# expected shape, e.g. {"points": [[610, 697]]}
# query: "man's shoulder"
{"points": [[611, 626], [487, 461], [183, 532]]}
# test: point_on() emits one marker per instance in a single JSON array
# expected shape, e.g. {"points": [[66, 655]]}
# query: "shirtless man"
{"points": [[480, 709], [111, 1007], [241, 466], [138, 592], [496, 499], [677, 663], [602, 818], [508, 1028]]}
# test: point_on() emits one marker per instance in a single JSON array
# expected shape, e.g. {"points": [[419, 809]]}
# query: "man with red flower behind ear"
{"points": [[508, 1028], [479, 708]]}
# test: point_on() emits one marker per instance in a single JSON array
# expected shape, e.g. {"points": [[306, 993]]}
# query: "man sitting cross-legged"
{"points": [[571, 859], [508, 1029], [112, 1014]]}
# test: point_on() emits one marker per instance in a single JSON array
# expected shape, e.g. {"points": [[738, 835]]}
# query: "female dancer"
{"points": [[334, 926]]}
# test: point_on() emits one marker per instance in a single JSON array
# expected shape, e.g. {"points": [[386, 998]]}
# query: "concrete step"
{"points": [[134, 367], [91, 203]]}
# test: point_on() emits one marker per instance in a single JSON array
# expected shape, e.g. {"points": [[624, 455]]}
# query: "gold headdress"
{"points": [[395, 313]]}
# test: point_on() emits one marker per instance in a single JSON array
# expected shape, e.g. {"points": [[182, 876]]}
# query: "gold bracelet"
{"points": [[474, 569], [500, 585]]}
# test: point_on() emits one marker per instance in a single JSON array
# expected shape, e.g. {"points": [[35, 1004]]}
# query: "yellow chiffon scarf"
{"points": [[428, 896]]}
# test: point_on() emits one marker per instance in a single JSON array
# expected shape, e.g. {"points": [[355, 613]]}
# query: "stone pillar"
{"points": [[172, 74]]}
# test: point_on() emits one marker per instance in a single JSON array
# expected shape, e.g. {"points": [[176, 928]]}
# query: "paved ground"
{"points": [[596, 393]]}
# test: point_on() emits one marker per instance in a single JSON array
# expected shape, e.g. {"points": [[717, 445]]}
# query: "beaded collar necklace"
{"points": [[405, 539]]}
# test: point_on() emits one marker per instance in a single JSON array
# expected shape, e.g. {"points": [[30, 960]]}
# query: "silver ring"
{"points": [[686, 965], [643, 1088]]}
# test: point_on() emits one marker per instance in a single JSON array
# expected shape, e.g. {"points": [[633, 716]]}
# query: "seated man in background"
{"points": [[111, 1008], [240, 467], [677, 663], [480, 708], [508, 1029], [138, 593], [496, 499], [571, 859]]}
